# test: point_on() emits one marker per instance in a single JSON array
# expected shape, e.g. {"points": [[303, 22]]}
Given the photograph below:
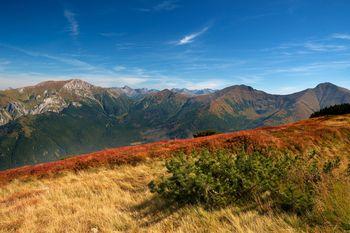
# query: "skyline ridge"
{"points": [[171, 89]]}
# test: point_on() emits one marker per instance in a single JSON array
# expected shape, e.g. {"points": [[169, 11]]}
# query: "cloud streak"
{"points": [[324, 47], [65, 60], [341, 36], [191, 37], [167, 5], [73, 23]]}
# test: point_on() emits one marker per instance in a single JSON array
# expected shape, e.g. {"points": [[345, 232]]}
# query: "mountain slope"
{"points": [[55, 119], [330, 136], [242, 107]]}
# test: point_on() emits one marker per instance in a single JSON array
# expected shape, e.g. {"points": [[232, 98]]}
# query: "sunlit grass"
{"points": [[115, 200]]}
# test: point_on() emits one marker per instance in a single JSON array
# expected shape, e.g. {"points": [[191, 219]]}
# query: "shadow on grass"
{"points": [[154, 210]]}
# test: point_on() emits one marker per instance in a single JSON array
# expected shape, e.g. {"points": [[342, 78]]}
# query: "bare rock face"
{"points": [[5, 117], [50, 104], [12, 111], [16, 109], [49, 96], [77, 84], [79, 87]]}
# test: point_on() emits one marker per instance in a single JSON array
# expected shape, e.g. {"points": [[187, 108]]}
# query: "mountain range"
{"points": [[56, 119]]}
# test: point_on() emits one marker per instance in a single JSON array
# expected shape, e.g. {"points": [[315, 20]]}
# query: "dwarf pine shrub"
{"points": [[216, 179], [205, 133]]}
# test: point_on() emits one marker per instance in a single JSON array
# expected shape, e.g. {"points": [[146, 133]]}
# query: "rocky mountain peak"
{"points": [[127, 88], [77, 84], [325, 85]]}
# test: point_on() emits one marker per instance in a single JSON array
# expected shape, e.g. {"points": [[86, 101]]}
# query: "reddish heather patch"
{"points": [[316, 133], [20, 199]]}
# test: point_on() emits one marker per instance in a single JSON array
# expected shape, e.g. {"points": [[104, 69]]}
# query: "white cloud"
{"points": [[248, 80], [341, 36], [178, 82], [167, 5], [324, 47], [25, 79], [287, 90], [211, 84], [66, 60], [131, 81], [190, 38], [119, 68], [313, 67], [308, 47], [73, 23]]}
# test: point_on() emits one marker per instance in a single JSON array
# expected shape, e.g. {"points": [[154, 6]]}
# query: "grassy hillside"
{"points": [[115, 200], [107, 191], [330, 136]]}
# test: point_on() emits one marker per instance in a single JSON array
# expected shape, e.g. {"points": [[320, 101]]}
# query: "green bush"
{"points": [[217, 179], [205, 133]]}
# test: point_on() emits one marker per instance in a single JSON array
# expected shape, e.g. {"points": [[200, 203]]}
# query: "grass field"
{"points": [[115, 200], [108, 191]]}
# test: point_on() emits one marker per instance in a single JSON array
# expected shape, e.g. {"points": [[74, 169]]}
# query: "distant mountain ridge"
{"points": [[55, 119], [193, 92]]}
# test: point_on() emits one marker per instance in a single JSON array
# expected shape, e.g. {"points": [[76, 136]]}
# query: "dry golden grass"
{"points": [[115, 200]]}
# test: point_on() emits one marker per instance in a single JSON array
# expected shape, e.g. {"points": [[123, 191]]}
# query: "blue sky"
{"points": [[279, 46]]}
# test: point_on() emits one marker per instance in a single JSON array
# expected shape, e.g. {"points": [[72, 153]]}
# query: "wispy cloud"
{"points": [[249, 80], [119, 68], [4, 64], [211, 84], [131, 80], [313, 67], [341, 36], [111, 34], [287, 90], [73, 23], [308, 47], [167, 5], [25, 79], [191, 37], [66, 60], [324, 47]]}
